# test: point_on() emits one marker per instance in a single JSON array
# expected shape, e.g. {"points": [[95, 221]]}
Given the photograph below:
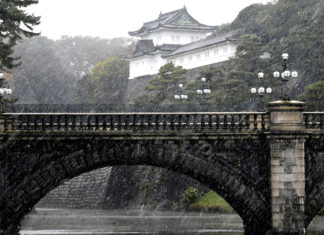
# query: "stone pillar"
{"points": [[287, 167]]}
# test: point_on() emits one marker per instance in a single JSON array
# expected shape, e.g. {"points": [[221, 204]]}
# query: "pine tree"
{"points": [[15, 24], [162, 88]]}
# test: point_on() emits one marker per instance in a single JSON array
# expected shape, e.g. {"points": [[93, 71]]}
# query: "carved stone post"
{"points": [[287, 167]]}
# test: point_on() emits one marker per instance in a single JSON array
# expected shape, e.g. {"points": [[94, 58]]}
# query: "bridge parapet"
{"points": [[212, 121]]}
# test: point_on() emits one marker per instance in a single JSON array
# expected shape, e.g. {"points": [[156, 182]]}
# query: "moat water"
{"points": [[60, 221]]}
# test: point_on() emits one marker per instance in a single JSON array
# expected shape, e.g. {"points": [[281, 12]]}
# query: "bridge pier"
{"points": [[287, 167]]}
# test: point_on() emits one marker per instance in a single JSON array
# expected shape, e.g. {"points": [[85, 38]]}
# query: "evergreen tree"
{"points": [[163, 87], [15, 24], [314, 96]]}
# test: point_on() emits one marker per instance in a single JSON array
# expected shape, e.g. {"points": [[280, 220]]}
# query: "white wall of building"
{"points": [[145, 65], [174, 37], [211, 55], [150, 64]]}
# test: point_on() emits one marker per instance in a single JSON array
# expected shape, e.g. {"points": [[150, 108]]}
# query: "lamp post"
{"points": [[3, 91], [203, 90], [285, 74], [261, 91], [180, 96]]}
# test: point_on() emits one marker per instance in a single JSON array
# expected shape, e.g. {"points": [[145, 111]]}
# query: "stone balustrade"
{"points": [[257, 121]]}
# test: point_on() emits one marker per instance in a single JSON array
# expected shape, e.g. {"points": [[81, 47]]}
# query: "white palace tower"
{"points": [[176, 36]]}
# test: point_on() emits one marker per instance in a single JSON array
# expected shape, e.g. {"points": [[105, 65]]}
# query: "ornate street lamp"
{"points": [[180, 96], [261, 91], [285, 74], [4, 90], [203, 90]]}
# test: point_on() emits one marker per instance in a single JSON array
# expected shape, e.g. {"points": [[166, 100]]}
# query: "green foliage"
{"points": [[314, 96], [250, 18], [321, 212], [211, 202], [15, 24], [247, 55], [109, 79], [191, 194], [163, 87]]}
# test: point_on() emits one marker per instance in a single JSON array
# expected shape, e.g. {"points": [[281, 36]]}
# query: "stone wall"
{"points": [[135, 87], [85, 191]]}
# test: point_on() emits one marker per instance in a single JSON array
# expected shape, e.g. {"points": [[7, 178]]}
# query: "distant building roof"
{"points": [[230, 36], [178, 19], [146, 47]]}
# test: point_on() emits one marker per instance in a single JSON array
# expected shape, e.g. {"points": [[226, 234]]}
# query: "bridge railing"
{"points": [[314, 120], [135, 121]]}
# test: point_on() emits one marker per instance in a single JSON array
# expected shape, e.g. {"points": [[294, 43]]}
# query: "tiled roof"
{"points": [[146, 47], [178, 19], [230, 36]]}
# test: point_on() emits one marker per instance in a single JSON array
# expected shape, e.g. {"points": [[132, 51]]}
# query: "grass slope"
{"points": [[211, 202]]}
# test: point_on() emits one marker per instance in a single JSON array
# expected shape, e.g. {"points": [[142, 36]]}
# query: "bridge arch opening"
{"points": [[80, 157], [146, 169]]}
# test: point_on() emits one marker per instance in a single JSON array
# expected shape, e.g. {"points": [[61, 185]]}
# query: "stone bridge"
{"points": [[269, 166]]}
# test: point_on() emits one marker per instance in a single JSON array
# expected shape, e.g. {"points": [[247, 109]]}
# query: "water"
{"points": [[54, 221], [80, 222]]}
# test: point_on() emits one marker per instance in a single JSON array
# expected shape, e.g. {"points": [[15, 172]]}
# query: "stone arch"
{"points": [[314, 203], [179, 156]]}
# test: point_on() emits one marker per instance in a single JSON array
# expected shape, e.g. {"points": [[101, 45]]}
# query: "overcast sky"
{"points": [[114, 18]]}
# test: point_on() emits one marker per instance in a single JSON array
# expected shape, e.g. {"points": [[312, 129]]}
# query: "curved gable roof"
{"points": [[178, 19]]}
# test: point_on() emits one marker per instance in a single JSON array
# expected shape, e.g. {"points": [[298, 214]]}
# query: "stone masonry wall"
{"points": [[85, 191]]}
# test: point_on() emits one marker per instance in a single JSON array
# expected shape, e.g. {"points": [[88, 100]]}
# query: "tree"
{"points": [[314, 96], [15, 24], [109, 79], [81, 54], [191, 194], [42, 77], [162, 88]]}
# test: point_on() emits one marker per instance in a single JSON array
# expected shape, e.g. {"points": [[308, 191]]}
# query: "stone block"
{"points": [[276, 223], [298, 153], [289, 161], [300, 145], [288, 185], [300, 161], [287, 193], [300, 192], [287, 177], [298, 169], [275, 192], [277, 184], [277, 216], [275, 162], [278, 200], [298, 184], [275, 177], [276, 208], [275, 146], [299, 176], [276, 154], [277, 170]]}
